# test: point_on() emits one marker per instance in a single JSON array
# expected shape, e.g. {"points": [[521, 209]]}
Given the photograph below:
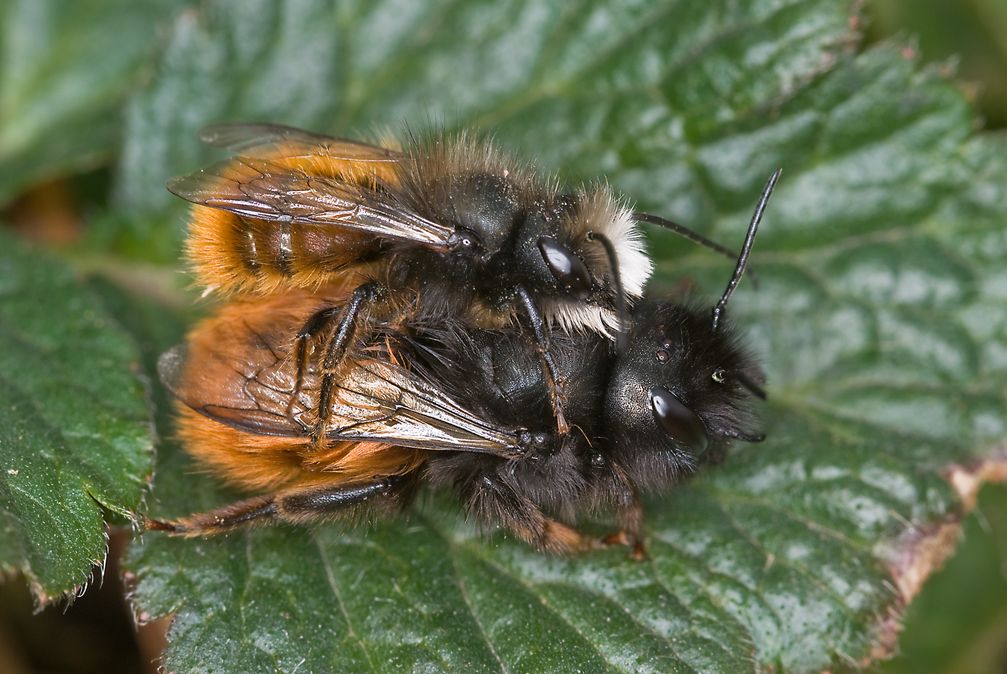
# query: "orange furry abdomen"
{"points": [[234, 253], [264, 462]]}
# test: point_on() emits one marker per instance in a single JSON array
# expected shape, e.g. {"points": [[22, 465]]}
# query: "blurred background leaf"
{"points": [[65, 70], [958, 624], [971, 33]]}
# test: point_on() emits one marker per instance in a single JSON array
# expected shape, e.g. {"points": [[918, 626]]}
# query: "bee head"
{"points": [[484, 205], [684, 387], [679, 393], [588, 256]]}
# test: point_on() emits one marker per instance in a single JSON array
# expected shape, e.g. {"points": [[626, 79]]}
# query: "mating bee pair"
{"points": [[436, 313]]}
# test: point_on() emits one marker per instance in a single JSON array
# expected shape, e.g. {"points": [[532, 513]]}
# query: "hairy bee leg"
{"points": [[296, 506], [319, 322], [553, 383], [550, 535], [630, 520], [496, 502], [260, 509], [628, 516], [558, 538], [363, 297]]}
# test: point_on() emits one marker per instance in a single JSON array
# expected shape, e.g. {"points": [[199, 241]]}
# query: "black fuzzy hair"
{"points": [[674, 346]]}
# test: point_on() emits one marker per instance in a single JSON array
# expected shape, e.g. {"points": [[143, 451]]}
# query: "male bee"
{"points": [[449, 223], [424, 397]]}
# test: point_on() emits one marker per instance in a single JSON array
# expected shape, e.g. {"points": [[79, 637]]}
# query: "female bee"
{"points": [[423, 397], [449, 223]]}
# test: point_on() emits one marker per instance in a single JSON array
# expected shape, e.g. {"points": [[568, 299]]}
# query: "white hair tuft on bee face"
{"points": [[635, 265], [573, 316], [603, 214]]}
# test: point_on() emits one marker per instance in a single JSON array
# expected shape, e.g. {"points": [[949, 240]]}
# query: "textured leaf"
{"points": [[880, 315], [74, 423], [958, 624], [606, 80], [62, 81]]}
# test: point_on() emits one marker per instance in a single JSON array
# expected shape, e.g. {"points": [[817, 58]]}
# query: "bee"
{"points": [[425, 398], [449, 224]]}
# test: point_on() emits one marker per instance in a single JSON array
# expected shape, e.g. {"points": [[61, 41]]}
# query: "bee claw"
{"points": [[638, 551], [562, 427], [617, 538], [150, 524]]}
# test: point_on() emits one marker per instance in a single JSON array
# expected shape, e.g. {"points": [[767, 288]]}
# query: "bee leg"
{"points": [[630, 520], [557, 538], [494, 501], [629, 516], [362, 298], [293, 506], [553, 381], [319, 322]]}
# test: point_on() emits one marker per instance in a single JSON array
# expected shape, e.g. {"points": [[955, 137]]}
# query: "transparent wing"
{"points": [[404, 410], [273, 140], [237, 369], [269, 190]]}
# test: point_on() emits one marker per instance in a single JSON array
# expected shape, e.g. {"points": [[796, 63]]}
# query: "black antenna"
{"points": [[746, 248], [691, 235], [620, 299], [685, 232]]}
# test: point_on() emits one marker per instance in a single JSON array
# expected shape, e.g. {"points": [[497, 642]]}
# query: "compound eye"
{"points": [[464, 240], [677, 420], [569, 270]]}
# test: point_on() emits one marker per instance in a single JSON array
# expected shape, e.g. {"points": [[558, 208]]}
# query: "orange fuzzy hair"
{"points": [[231, 253], [263, 462]]}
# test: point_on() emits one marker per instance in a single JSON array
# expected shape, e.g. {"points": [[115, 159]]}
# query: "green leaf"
{"points": [[958, 625], [601, 78], [974, 34], [74, 422], [880, 317], [64, 70]]}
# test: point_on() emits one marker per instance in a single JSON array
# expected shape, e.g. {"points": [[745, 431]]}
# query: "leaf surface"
{"points": [[65, 69], [74, 422], [880, 318]]}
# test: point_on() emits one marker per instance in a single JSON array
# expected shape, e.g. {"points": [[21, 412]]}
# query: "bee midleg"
{"points": [[294, 506], [319, 322], [363, 297], [628, 514], [554, 383], [629, 517], [495, 501]]}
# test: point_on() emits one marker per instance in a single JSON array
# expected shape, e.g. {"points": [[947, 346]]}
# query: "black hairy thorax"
{"points": [[499, 375], [500, 223]]}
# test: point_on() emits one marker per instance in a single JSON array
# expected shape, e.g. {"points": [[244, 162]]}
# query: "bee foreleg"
{"points": [[628, 515], [295, 506], [319, 322], [630, 520], [363, 297], [554, 384]]}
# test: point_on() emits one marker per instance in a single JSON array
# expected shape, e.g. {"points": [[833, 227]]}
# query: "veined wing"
{"points": [[270, 141], [237, 369], [268, 189]]}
